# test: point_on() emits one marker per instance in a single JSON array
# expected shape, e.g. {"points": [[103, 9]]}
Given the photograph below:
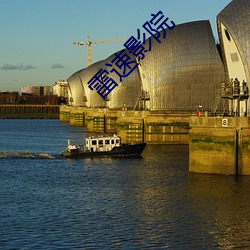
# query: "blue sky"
{"points": [[36, 35]]}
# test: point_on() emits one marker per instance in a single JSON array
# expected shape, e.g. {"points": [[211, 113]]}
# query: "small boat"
{"points": [[97, 146]]}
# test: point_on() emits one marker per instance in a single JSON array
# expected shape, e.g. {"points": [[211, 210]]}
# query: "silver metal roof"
{"points": [[182, 72]]}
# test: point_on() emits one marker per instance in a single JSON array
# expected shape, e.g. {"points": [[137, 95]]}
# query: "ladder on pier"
{"points": [[217, 101]]}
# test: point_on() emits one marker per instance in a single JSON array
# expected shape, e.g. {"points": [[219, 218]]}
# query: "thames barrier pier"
{"points": [[132, 126], [188, 90], [219, 145]]}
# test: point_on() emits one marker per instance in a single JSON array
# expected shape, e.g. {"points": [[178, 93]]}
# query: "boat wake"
{"points": [[26, 154]]}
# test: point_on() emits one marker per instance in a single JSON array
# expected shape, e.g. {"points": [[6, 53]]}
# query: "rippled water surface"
{"points": [[148, 203]]}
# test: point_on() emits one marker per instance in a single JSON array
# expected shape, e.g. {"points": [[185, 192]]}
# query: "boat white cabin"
{"points": [[102, 143]]}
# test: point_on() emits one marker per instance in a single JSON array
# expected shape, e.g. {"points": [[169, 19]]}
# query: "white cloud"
{"points": [[21, 66], [57, 66]]}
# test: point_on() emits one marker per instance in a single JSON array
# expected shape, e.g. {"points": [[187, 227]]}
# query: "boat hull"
{"points": [[131, 150]]}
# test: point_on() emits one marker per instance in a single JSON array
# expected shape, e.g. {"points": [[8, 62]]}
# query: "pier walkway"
{"points": [[25, 111]]}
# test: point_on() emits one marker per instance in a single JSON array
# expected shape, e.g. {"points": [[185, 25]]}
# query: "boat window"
{"points": [[94, 142], [117, 141], [87, 142], [100, 142], [112, 142], [107, 142]]}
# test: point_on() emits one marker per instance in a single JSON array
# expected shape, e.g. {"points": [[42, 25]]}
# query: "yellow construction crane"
{"points": [[89, 43]]}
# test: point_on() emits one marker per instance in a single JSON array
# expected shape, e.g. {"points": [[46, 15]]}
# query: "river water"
{"points": [[149, 203]]}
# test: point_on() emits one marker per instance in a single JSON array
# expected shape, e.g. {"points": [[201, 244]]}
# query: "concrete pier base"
{"points": [[219, 145], [132, 126], [64, 114]]}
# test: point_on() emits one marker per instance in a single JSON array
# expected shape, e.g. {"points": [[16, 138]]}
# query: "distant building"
{"points": [[40, 100], [39, 95], [9, 97], [30, 90], [60, 89], [37, 90], [47, 90]]}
